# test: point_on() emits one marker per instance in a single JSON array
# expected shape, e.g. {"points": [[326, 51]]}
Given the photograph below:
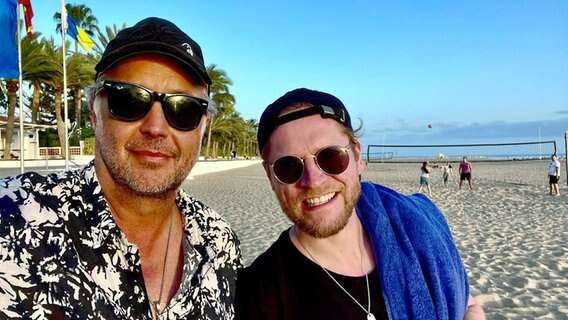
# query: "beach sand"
{"points": [[511, 234]]}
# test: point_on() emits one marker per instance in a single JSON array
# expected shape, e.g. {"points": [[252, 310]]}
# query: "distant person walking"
{"points": [[447, 171], [465, 171], [554, 175], [425, 177]]}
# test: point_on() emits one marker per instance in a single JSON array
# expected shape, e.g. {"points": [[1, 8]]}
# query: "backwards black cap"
{"points": [[155, 35], [324, 104]]}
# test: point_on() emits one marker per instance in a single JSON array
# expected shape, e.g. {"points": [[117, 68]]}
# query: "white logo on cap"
{"points": [[188, 48]]}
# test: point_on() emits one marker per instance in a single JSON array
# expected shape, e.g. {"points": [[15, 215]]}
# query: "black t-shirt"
{"points": [[284, 284]]}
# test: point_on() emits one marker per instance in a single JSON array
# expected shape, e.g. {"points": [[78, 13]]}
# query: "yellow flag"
{"points": [[84, 39]]}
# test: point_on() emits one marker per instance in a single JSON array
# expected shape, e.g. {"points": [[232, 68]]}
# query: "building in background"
{"points": [[32, 150]]}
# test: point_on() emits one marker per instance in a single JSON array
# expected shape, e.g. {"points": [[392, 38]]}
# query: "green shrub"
{"points": [[89, 146]]}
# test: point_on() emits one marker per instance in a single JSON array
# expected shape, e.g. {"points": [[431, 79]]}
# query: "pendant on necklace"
{"points": [[370, 316], [156, 305]]}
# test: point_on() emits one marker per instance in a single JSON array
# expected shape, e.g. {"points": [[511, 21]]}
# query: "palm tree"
{"points": [[80, 73], [84, 17], [37, 69], [54, 53], [104, 39], [222, 131], [250, 144], [80, 67], [12, 88], [222, 99]]}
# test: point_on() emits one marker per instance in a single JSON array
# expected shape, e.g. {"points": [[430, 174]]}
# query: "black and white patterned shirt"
{"points": [[62, 256]]}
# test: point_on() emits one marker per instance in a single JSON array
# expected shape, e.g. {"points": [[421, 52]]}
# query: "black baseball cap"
{"points": [[155, 35], [324, 104]]}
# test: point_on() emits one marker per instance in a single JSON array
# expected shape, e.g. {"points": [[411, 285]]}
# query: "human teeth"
{"points": [[320, 200]]}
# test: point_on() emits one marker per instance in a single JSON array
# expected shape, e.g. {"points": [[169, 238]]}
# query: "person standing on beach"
{"points": [[119, 239], [447, 171], [554, 175], [465, 171], [357, 250], [425, 177]]}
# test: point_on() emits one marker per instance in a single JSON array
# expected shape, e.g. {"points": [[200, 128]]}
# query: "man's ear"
{"points": [[266, 167], [358, 156], [204, 126], [92, 110]]}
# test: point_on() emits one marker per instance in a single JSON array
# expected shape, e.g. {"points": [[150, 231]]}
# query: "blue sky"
{"points": [[478, 71]]}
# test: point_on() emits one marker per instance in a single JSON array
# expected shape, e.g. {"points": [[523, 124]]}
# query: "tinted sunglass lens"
{"points": [[183, 113], [128, 102], [288, 169], [333, 160]]}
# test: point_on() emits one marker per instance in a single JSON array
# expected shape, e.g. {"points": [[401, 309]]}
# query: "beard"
{"points": [[323, 226], [142, 182]]}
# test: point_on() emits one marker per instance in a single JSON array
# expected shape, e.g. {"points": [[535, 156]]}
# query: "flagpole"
{"points": [[20, 95], [63, 30]]}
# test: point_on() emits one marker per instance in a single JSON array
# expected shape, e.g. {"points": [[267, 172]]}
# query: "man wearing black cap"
{"points": [[357, 250], [119, 239]]}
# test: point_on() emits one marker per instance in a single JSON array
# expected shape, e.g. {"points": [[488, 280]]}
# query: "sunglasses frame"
{"points": [[155, 96], [346, 149]]}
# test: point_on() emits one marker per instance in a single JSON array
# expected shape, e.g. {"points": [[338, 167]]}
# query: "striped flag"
{"points": [[79, 34], [8, 50]]}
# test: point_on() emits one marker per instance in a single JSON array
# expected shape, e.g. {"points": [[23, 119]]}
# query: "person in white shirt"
{"points": [[554, 175]]}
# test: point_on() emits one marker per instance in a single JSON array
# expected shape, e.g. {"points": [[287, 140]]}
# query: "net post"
{"points": [[566, 155]]}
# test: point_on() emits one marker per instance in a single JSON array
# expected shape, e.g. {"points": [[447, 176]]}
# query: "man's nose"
{"points": [[155, 123], [312, 175]]}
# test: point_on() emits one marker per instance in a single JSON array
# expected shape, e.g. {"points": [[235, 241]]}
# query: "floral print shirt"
{"points": [[62, 256]]}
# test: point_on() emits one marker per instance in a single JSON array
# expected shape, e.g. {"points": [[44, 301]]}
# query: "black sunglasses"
{"points": [[131, 102], [331, 160]]}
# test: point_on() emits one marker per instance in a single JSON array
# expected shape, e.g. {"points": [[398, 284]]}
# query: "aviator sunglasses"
{"points": [[331, 160], [131, 102]]}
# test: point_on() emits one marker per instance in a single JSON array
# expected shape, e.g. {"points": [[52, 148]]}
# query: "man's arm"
{"points": [[474, 310]]}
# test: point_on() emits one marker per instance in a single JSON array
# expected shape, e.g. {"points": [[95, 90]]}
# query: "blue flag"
{"points": [[8, 50]]}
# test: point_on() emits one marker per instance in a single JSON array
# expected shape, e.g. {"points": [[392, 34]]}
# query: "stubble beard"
{"points": [[124, 175], [316, 227]]}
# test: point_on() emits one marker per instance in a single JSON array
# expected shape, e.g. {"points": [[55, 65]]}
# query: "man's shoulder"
{"points": [[208, 229], [33, 180], [23, 180], [36, 194], [261, 286], [195, 210], [269, 259], [377, 199], [26, 189]]}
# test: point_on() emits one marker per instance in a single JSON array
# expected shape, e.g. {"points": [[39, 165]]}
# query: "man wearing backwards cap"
{"points": [[357, 250], [119, 239]]}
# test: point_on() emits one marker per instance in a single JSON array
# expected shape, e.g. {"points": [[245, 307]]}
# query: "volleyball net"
{"points": [[518, 151]]}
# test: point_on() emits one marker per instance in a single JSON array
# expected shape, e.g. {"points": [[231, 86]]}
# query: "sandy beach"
{"points": [[512, 235]]}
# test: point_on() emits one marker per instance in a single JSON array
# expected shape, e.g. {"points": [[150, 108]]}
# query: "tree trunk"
{"points": [[77, 98], [35, 101], [207, 154], [214, 152], [60, 123], [12, 86]]}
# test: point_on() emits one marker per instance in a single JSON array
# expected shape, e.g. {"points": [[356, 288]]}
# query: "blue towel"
{"points": [[420, 269]]}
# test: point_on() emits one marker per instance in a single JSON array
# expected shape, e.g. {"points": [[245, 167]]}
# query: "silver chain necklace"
{"points": [[156, 303], [367, 310]]}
